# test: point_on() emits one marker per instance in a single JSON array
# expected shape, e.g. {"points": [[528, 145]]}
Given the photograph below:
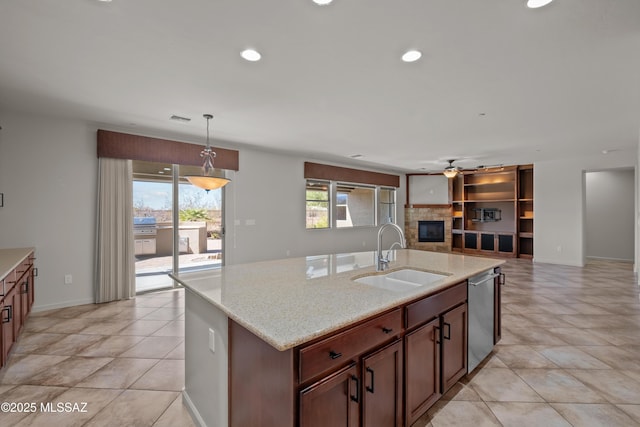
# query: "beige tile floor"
{"points": [[569, 356]]}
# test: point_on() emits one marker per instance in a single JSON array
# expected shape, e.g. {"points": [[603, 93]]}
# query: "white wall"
{"points": [[265, 213], [610, 197], [48, 174], [559, 204]]}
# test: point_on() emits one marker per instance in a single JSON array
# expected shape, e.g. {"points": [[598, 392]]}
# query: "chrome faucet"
{"points": [[383, 262]]}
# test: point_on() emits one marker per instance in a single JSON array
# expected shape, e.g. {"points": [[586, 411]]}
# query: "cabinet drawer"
{"points": [[339, 349], [431, 306]]}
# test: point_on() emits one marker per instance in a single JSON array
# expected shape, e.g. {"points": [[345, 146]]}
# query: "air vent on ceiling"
{"points": [[180, 119]]}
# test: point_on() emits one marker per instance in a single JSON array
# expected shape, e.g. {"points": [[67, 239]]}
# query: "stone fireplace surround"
{"points": [[411, 218]]}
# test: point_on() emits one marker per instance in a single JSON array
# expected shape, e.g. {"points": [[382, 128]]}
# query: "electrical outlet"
{"points": [[68, 279]]}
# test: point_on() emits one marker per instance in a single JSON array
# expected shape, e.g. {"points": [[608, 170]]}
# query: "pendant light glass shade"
{"points": [[450, 173], [206, 181]]}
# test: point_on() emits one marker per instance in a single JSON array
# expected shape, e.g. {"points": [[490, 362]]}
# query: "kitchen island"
{"points": [[295, 341]]}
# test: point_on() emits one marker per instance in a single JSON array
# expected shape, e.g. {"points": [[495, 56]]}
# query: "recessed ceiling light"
{"points": [[356, 156], [251, 55], [322, 2], [411, 56], [534, 4]]}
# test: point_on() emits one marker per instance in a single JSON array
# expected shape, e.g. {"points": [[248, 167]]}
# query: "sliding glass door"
{"points": [[177, 227]]}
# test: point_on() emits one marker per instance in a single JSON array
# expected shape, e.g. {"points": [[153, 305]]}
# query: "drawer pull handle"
{"points": [[334, 355], [386, 330], [436, 334], [370, 389], [356, 398]]}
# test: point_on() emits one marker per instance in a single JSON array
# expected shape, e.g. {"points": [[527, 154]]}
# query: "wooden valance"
{"points": [[336, 173], [135, 147]]}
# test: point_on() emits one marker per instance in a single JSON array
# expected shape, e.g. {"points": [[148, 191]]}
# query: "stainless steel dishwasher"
{"points": [[480, 299]]}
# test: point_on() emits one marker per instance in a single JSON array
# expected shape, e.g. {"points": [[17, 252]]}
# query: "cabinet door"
{"points": [[382, 383], [505, 243], [454, 346], [15, 298], [422, 370], [23, 290], [6, 317], [470, 240], [333, 401], [487, 242]]}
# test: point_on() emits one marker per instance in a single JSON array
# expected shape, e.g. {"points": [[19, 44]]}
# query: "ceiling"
{"points": [[498, 83]]}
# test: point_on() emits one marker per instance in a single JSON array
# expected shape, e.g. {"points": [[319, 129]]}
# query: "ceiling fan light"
{"points": [[450, 172]]}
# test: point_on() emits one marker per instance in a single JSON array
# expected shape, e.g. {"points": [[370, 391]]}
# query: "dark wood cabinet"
{"points": [[436, 351], [422, 369], [454, 346], [385, 371], [507, 191], [16, 300], [382, 387], [333, 401]]}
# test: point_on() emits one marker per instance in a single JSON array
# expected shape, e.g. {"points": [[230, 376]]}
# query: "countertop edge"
{"points": [[10, 258]]}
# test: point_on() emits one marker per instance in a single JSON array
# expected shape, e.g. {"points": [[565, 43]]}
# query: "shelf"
{"points": [[526, 217], [477, 184], [456, 231], [490, 200], [526, 235], [525, 200]]}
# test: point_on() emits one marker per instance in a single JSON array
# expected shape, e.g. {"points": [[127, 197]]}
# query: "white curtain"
{"points": [[115, 259]]}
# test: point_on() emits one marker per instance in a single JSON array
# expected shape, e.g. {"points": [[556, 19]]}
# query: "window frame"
{"points": [[333, 203], [330, 215]]}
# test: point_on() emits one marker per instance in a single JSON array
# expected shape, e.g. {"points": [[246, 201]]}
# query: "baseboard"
{"points": [[610, 259], [64, 304], [556, 262], [195, 415]]}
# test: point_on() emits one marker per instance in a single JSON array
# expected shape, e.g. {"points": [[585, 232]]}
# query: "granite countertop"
{"points": [[10, 258], [292, 301]]}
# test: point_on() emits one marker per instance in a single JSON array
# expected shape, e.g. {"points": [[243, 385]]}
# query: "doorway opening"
{"points": [[177, 226]]}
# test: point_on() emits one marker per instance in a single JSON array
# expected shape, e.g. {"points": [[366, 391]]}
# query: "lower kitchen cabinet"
{"points": [[15, 302], [454, 346], [333, 401], [422, 369], [436, 348], [386, 371], [382, 387]]}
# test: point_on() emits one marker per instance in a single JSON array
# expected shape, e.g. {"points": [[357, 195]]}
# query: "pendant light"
{"points": [[206, 181]]}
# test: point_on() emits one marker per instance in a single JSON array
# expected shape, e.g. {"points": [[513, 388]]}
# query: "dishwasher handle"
{"points": [[485, 279]]}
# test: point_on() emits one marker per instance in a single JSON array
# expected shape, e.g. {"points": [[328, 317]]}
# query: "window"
{"points": [[332, 204], [355, 205], [387, 205], [317, 204]]}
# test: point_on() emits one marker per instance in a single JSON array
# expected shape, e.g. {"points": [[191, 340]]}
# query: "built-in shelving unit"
{"points": [[525, 211], [492, 211]]}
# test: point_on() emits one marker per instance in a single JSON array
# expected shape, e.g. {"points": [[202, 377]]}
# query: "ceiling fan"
{"points": [[451, 171]]}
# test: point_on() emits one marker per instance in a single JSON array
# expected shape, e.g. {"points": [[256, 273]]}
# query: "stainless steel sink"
{"points": [[402, 280]]}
